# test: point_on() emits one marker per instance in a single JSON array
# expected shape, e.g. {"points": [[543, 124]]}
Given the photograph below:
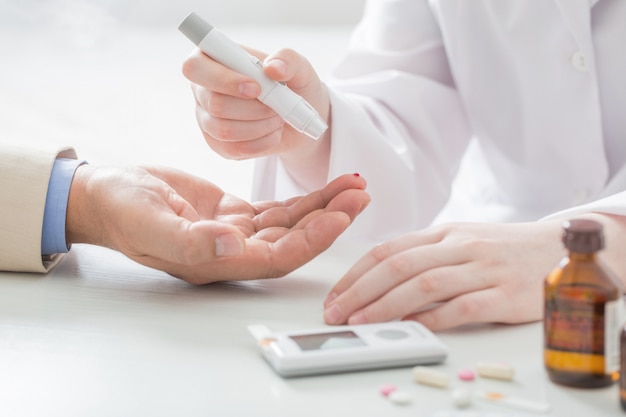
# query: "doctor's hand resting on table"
{"points": [[523, 98], [166, 219]]}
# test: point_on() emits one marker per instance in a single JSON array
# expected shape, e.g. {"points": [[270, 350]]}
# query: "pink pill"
{"points": [[466, 375], [387, 389]]}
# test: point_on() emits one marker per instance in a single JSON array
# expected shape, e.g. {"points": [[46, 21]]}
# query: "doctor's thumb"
{"points": [[288, 66]]}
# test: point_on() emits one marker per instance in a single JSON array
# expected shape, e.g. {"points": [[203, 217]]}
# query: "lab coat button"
{"points": [[580, 62]]}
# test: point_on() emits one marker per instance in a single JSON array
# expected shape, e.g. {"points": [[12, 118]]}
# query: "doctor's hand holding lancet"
{"points": [[480, 129], [237, 126]]}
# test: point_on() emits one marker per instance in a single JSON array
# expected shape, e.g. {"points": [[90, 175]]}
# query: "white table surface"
{"points": [[103, 336]]}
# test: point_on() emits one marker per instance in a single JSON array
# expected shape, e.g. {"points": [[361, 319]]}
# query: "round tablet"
{"points": [[399, 397], [387, 389], [467, 375], [461, 397]]}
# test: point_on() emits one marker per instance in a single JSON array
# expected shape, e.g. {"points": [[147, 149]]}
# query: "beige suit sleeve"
{"points": [[24, 176]]}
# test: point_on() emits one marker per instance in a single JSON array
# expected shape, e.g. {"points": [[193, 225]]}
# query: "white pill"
{"points": [[495, 370], [461, 397], [432, 377], [399, 397]]}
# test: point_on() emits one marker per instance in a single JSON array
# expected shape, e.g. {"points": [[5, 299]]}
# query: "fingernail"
{"points": [[250, 90], [332, 315], [358, 318], [331, 297], [228, 245]]}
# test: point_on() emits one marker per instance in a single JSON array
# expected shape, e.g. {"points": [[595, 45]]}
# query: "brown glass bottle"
{"points": [[583, 312]]}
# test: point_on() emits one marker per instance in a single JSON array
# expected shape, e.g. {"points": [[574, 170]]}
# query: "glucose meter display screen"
{"points": [[326, 341]]}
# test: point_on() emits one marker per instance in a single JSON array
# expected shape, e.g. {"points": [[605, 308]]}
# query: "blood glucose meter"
{"points": [[348, 348]]}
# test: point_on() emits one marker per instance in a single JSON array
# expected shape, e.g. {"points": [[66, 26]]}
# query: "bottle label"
{"points": [[579, 326], [613, 320]]}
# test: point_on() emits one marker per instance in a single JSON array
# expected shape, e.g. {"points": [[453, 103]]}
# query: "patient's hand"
{"points": [[172, 221]]}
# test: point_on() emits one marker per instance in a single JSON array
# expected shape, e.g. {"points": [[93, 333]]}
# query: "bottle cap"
{"points": [[583, 236]]}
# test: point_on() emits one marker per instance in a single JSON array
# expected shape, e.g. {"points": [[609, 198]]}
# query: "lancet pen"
{"points": [[290, 106]]}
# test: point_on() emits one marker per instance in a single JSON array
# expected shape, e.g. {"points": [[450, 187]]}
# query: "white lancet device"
{"points": [[349, 348], [290, 106]]}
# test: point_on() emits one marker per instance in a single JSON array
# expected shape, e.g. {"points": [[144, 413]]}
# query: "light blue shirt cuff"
{"points": [[53, 232]]}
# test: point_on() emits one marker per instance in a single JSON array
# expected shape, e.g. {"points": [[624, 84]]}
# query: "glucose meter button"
{"points": [[392, 334]]}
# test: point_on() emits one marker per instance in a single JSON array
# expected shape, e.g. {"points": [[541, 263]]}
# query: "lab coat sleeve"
{"points": [[612, 200], [613, 204], [397, 119], [24, 176]]}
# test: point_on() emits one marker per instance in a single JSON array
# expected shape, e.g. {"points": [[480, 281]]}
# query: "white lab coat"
{"points": [[526, 96]]}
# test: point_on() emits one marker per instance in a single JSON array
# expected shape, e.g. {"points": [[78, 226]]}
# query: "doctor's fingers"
{"points": [[487, 306], [207, 73], [245, 128], [422, 292], [416, 269], [225, 106], [235, 133], [239, 150], [287, 65], [382, 253]]}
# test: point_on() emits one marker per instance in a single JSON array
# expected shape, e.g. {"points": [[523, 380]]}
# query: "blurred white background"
{"points": [[105, 75], [226, 12]]}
